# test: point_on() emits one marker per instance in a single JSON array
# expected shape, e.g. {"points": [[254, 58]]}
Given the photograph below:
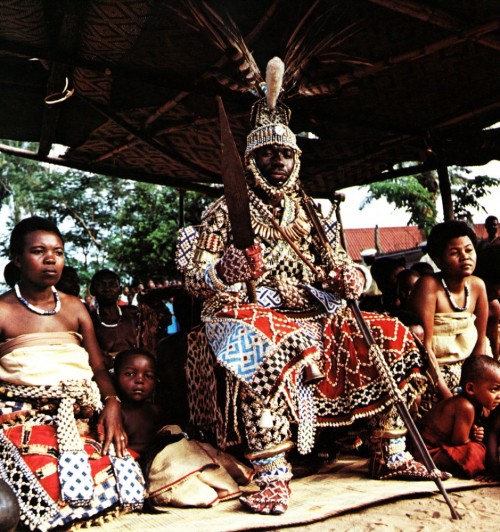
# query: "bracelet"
{"points": [[112, 397], [213, 279]]}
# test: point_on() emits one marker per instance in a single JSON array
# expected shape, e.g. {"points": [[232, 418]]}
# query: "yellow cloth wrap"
{"points": [[42, 359], [455, 336]]}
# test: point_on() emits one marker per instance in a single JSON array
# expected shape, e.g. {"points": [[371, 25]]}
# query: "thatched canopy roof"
{"points": [[379, 82]]}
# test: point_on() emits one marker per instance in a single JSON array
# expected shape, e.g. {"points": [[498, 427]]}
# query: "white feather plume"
{"points": [[274, 80]]}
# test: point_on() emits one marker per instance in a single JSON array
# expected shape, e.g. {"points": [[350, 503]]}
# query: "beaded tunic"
{"points": [[264, 347], [283, 284]]}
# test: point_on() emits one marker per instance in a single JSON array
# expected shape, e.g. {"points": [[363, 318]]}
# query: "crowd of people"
{"points": [[258, 352]]}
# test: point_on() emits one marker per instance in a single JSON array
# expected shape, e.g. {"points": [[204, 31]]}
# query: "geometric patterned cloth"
{"points": [[277, 346], [268, 297], [75, 476], [330, 302], [259, 346], [59, 477], [130, 482], [238, 346]]}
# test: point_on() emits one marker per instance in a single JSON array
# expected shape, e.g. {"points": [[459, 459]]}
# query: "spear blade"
{"points": [[235, 185]]}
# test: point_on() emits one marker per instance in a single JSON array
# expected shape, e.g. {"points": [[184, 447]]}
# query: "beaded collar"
{"points": [[452, 301], [37, 310], [109, 325]]}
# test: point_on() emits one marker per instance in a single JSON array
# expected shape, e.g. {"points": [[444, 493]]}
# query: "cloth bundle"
{"points": [[190, 473]]}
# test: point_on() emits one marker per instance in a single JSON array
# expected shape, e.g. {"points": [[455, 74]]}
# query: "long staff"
{"points": [[380, 363], [236, 192]]}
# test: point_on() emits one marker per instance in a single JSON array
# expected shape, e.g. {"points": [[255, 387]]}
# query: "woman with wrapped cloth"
{"points": [[295, 360], [63, 448]]}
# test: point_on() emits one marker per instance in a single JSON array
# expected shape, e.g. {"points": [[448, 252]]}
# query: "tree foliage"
{"points": [[418, 195], [467, 191], [126, 226], [414, 194]]}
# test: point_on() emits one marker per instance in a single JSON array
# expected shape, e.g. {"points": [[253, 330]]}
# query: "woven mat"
{"points": [[343, 487]]}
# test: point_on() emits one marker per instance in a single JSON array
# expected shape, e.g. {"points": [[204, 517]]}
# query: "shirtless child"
{"points": [[452, 305], [135, 376], [451, 429]]}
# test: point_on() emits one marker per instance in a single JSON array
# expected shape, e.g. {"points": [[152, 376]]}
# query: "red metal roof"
{"points": [[390, 239]]}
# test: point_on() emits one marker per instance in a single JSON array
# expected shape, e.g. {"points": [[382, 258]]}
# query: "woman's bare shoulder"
{"points": [[7, 297]]}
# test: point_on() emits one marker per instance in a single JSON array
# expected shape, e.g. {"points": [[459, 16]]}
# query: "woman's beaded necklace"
{"points": [[37, 310], [109, 325], [452, 301]]}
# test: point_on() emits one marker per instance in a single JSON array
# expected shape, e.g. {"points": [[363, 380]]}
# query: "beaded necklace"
{"points": [[452, 301], [109, 325], [37, 310]]}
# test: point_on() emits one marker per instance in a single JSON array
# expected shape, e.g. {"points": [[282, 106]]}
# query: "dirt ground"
{"points": [[479, 509]]}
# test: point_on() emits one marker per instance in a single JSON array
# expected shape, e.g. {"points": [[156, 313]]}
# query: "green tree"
{"points": [[467, 191], [146, 229], [414, 194], [107, 222], [418, 195]]}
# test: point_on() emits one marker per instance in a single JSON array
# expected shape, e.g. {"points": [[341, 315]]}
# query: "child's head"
{"points": [[405, 281], [385, 270], [480, 380], [422, 268], [443, 233], [135, 374]]}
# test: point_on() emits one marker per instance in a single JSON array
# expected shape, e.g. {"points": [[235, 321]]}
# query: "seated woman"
{"points": [[452, 306], [52, 378]]}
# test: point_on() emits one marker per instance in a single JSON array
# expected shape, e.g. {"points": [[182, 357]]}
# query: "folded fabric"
{"points": [[190, 473]]}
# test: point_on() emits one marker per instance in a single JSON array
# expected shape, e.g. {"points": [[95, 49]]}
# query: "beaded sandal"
{"points": [[411, 470], [273, 499]]}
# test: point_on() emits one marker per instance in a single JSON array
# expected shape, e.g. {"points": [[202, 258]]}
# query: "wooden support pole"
{"points": [[182, 196], [338, 198], [445, 189]]}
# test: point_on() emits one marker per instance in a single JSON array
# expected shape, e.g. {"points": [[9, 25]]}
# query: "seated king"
{"points": [[277, 323]]}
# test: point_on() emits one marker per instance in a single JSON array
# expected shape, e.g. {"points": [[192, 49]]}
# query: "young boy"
{"points": [[179, 471], [135, 377], [451, 429], [452, 305]]}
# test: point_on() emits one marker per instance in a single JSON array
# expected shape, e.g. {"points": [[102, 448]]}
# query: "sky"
{"points": [[383, 214]]}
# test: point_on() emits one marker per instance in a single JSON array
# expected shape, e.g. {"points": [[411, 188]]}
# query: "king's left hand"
{"points": [[347, 282]]}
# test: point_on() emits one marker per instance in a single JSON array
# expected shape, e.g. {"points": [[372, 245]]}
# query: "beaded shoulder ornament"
{"points": [[37, 310]]}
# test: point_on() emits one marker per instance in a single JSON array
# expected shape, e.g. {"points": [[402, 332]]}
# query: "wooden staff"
{"points": [[380, 363]]}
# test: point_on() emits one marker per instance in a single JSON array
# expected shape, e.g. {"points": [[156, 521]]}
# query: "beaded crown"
{"points": [[270, 118]]}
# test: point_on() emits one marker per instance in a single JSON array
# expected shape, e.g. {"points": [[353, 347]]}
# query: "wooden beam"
{"points": [[179, 97], [182, 195], [61, 20], [436, 17], [445, 190], [144, 137]]}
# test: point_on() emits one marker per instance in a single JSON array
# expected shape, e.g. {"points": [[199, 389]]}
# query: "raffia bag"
{"points": [[190, 473]]}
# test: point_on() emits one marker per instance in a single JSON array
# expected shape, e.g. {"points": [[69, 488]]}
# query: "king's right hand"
{"points": [[237, 265]]}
